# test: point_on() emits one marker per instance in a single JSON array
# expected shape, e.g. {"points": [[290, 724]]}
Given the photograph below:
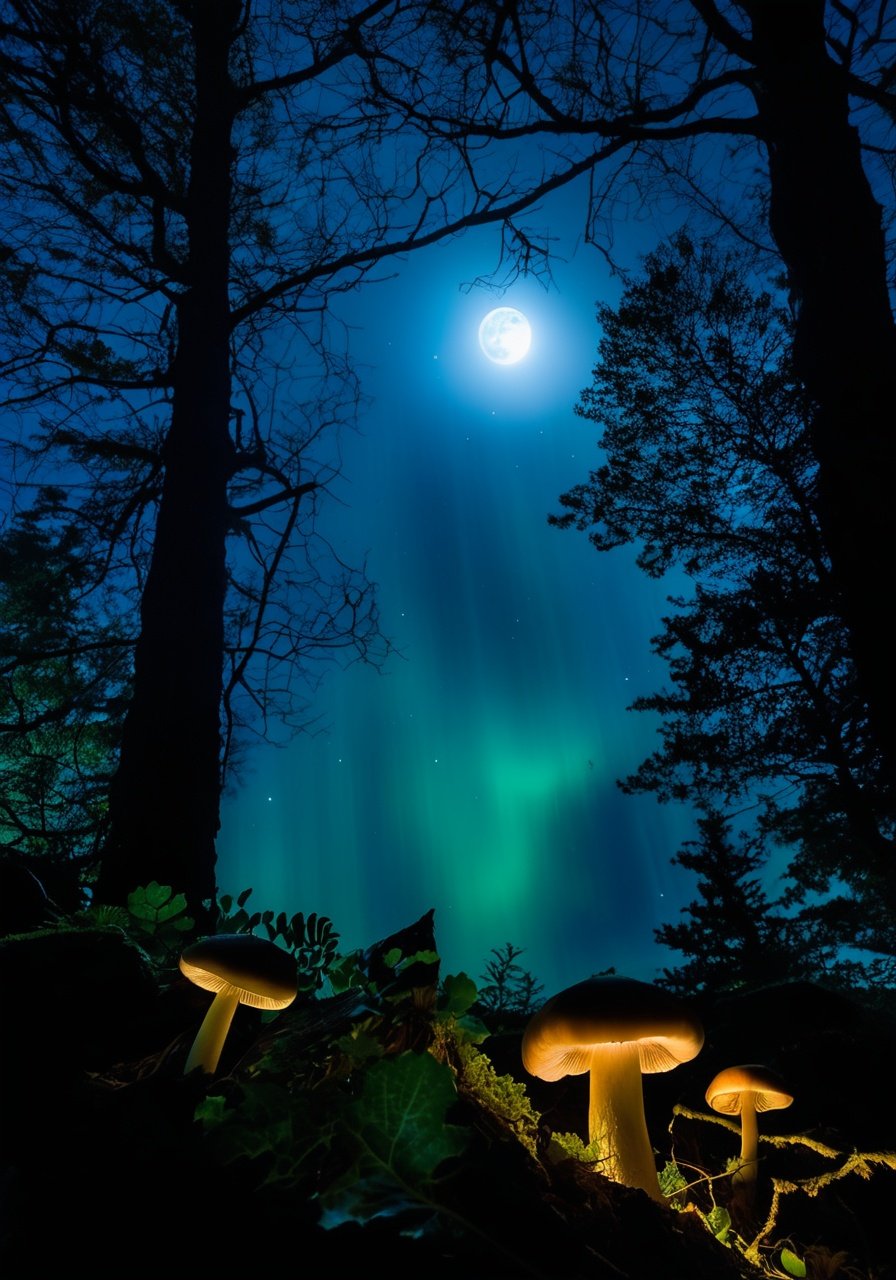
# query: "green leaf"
{"points": [[392, 957], [244, 897], [141, 904], [346, 972], [268, 1124], [791, 1263], [360, 1045], [400, 1139], [173, 908], [153, 903], [471, 1030], [719, 1222], [211, 1111], [107, 916], [457, 995], [419, 957]]}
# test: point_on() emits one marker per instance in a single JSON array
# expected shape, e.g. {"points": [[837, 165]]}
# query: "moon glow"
{"points": [[505, 335]]}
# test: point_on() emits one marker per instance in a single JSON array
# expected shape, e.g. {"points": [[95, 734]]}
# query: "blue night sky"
{"points": [[477, 773]]}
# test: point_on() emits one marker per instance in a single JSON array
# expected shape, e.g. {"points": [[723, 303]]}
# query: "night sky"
{"points": [[477, 773]]}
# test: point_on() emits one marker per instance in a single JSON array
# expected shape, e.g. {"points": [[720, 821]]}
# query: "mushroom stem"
{"points": [[616, 1120], [211, 1035], [745, 1177]]}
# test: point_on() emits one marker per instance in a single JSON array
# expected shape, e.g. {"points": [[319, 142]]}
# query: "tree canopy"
{"points": [[775, 121], [187, 184], [707, 466], [63, 690]]}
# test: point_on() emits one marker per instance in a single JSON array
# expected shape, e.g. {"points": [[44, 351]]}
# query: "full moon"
{"points": [[505, 335]]}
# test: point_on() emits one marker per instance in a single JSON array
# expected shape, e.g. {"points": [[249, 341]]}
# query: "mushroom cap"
{"points": [[263, 974], [726, 1089], [562, 1037]]}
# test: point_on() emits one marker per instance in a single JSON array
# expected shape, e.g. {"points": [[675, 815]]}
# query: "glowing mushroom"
{"points": [[240, 969], [743, 1091], [616, 1029]]}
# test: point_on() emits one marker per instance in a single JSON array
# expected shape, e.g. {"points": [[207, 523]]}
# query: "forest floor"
{"points": [[391, 1128]]}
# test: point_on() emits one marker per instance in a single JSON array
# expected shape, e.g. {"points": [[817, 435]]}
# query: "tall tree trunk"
{"points": [[165, 797], [828, 228]]}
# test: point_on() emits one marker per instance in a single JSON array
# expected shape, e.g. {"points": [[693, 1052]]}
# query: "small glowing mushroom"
{"points": [[240, 969], [743, 1091], [616, 1029]]}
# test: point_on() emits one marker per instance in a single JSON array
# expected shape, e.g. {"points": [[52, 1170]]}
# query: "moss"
{"points": [[503, 1096], [569, 1146]]}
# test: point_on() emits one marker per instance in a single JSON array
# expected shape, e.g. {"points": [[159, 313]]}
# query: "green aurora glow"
{"points": [[477, 774]]}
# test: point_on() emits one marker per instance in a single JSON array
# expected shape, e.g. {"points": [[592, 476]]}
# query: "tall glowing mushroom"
{"points": [[615, 1029], [744, 1091], [240, 969]]}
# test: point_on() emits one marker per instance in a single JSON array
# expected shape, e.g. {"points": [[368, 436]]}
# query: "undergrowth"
{"points": [[367, 1097]]}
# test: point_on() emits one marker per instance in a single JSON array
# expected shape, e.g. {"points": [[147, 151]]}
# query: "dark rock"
{"points": [[24, 904], [69, 998]]}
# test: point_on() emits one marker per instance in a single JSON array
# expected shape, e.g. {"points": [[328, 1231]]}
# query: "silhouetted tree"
{"points": [[506, 987], [63, 691], [181, 174], [186, 184], [733, 936], [705, 434], [689, 101], [140, 236]]}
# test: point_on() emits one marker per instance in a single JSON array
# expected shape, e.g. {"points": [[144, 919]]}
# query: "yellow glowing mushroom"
{"points": [[240, 969], [744, 1091], [616, 1029]]}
